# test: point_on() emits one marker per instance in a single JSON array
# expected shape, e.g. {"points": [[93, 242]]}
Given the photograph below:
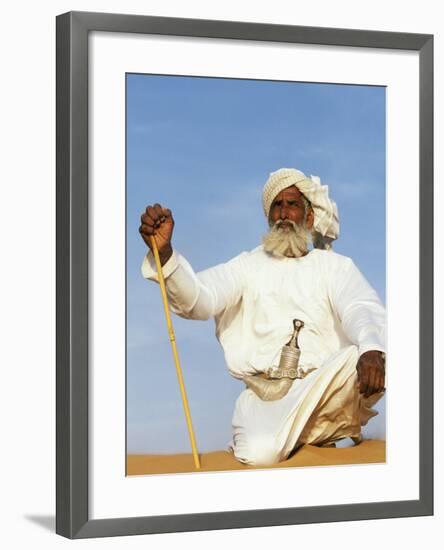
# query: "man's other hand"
{"points": [[371, 372]]}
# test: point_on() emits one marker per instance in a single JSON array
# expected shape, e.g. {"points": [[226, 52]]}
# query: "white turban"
{"points": [[326, 218]]}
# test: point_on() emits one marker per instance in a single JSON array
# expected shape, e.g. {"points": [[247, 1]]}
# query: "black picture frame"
{"points": [[72, 518]]}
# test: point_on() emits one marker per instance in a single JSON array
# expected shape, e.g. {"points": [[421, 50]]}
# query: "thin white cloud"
{"points": [[353, 190], [241, 203], [149, 128]]}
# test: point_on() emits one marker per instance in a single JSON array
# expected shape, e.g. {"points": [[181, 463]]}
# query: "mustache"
{"points": [[278, 223]]}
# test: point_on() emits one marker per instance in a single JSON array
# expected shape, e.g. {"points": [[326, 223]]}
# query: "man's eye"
{"points": [[289, 203]]}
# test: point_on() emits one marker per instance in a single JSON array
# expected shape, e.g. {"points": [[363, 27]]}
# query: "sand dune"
{"points": [[369, 451]]}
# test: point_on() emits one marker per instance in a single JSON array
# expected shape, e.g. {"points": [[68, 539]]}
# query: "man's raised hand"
{"points": [[158, 222]]}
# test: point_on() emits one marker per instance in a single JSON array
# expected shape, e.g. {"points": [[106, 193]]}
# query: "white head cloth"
{"points": [[326, 218]]}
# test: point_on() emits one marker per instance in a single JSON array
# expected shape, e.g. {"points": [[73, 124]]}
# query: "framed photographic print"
{"points": [[244, 298]]}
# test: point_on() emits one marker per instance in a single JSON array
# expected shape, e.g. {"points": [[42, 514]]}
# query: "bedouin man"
{"points": [[300, 326]]}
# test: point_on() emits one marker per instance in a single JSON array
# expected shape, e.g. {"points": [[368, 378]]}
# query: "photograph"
{"points": [[255, 274]]}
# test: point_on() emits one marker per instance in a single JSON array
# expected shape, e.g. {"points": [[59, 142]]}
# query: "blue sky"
{"points": [[204, 147]]}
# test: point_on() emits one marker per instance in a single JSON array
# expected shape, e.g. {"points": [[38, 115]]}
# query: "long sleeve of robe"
{"points": [[254, 298]]}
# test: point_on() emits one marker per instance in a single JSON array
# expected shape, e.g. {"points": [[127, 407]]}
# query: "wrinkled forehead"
{"points": [[287, 193]]}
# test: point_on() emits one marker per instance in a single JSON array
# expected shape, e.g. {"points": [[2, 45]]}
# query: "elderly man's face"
{"points": [[288, 205]]}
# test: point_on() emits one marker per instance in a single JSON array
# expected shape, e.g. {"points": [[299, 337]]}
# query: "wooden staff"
{"points": [[175, 354]]}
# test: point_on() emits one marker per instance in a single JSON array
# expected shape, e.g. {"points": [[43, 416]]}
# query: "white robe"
{"points": [[254, 298]]}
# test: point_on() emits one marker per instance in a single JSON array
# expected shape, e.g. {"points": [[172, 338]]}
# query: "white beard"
{"points": [[292, 243]]}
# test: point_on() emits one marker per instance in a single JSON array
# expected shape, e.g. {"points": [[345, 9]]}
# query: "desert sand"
{"points": [[367, 452]]}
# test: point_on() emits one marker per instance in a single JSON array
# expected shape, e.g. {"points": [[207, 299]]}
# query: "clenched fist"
{"points": [[158, 222], [371, 372]]}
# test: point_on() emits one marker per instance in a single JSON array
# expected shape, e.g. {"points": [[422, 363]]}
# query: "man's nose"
{"points": [[284, 213]]}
